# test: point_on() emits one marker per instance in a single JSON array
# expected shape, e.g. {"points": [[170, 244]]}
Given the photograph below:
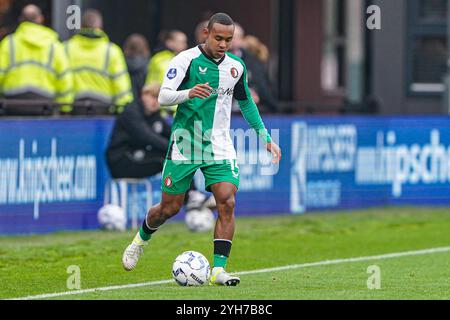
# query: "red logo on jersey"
{"points": [[168, 182], [234, 72]]}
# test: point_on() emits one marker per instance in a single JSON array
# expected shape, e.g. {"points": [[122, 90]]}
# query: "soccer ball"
{"points": [[112, 218], [200, 220], [191, 269]]}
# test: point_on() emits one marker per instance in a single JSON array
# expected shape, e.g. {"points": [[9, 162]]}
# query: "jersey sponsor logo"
{"points": [[202, 70], [234, 72], [172, 73], [168, 182], [222, 91]]}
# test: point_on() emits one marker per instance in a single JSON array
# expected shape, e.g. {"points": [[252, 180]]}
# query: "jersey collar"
{"points": [[210, 58]]}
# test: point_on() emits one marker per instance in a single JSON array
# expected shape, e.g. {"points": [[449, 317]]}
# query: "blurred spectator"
{"points": [[137, 55], [257, 75], [174, 42], [100, 73], [200, 35], [4, 7], [34, 66], [140, 138], [258, 49]]}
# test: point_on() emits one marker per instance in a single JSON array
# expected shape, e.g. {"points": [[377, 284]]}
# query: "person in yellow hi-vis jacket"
{"points": [[98, 65], [34, 66]]}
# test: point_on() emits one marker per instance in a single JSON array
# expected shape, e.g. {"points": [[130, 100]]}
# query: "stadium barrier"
{"points": [[127, 194], [53, 173]]}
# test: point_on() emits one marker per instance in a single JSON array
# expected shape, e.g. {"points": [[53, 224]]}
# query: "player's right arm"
{"points": [[176, 75]]}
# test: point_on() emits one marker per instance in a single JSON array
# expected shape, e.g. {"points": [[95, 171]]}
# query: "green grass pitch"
{"points": [[35, 265]]}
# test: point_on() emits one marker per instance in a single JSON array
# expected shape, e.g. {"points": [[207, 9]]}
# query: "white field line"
{"points": [[289, 267]]}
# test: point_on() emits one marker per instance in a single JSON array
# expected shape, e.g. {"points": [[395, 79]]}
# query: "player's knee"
{"points": [[170, 209], [227, 203]]}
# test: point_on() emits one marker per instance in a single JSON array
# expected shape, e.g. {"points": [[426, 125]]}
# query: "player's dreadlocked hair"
{"points": [[221, 18]]}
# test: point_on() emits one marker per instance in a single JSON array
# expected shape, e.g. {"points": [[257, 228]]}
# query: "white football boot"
{"points": [[132, 254], [195, 200], [210, 203], [220, 277]]}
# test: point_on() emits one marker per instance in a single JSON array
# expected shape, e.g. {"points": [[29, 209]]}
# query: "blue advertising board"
{"points": [[53, 174], [357, 162]]}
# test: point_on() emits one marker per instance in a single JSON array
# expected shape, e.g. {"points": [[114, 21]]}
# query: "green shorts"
{"points": [[177, 175]]}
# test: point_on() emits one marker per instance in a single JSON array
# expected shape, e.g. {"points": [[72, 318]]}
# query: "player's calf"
{"points": [[134, 251], [157, 215]]}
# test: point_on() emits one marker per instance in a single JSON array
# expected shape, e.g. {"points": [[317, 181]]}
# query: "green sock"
{"points": [[220, 261], [144, 236]]}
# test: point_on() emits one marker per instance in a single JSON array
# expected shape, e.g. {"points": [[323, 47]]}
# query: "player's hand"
{"points": [[275, 150], [201, 91]]}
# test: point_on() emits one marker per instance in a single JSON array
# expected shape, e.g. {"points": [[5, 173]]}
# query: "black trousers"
{"points": [[91, 107], [30, 104], [127, 168]]}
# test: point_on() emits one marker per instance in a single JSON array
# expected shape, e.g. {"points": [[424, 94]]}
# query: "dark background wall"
{"points": [[293, 30], [122, 18], [389, 50], [253, 15], [149, 17], [308, 37]]}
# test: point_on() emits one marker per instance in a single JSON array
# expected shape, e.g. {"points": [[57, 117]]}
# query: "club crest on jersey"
{"points": [[172, 73], [234, 72], [168, 182], [202, 70]]}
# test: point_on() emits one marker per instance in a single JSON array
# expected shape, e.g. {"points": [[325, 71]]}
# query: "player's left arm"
{"points": [[251, 114]]}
